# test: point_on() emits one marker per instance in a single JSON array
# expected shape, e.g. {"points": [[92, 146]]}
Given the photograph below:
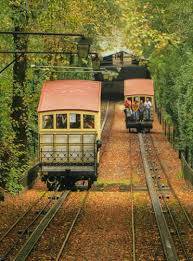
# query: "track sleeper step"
{"points": [[53, 197], [42, 213], [24, 232]]}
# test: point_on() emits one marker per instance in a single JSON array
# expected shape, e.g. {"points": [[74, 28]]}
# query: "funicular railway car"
{"points": [[139, 104], [69, 131]]}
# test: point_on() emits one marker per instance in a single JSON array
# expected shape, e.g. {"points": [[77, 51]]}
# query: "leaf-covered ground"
{"points": [[104, 231]]}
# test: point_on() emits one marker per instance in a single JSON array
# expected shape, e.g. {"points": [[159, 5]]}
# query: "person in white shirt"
{"points": [[147, 105]]}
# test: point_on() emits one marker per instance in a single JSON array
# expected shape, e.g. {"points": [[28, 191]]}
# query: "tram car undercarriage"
{"points": [[74, 158], [141, 123]]}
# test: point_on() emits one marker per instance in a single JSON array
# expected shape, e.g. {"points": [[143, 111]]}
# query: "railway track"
{"points": [[69, 231], [30, 221], [108, 118], [21, 248], [106, 125], [161, 191], [20, 219], [142, 218], [177, 228], [132, 209], [22, 226], [104, 115], [37, 233]]}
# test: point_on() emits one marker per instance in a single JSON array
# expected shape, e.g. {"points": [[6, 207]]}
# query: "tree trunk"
{"points": [[19, 107]]}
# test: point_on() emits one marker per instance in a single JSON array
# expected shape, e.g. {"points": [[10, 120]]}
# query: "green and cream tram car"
{"points": [[69, 131]]}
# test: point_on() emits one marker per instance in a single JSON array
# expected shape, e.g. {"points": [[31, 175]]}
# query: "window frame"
{"points": [[57, 128], [86, 114], [55, 113], [42, 121], [70, 112], [140, 96]]}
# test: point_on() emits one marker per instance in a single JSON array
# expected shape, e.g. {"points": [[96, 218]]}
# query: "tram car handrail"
{"points": [[69, 115], [139, 104]]}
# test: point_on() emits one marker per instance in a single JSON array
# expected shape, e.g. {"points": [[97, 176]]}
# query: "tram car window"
{"points": [[75, 121], [88, 121], [69, 131], [61, 121], [139, 94], [47, 122]]}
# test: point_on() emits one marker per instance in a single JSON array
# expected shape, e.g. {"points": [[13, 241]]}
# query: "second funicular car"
{"points": [[69, 131], [139, 104]]}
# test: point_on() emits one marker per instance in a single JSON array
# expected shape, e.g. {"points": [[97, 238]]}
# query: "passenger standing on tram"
{"points": [[135, 108], [128, 103], [147, 105], [141, 110], [128, 108]]}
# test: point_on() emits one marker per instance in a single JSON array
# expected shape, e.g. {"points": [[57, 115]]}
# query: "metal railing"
{"points": [[56, 157], [170, 133], [68, 149], [187, 170], [169, 128]]}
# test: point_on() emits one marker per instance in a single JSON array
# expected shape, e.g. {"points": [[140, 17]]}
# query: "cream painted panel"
{"points": [[75, 139], [61, 138], [46, 138], [88, 138]]}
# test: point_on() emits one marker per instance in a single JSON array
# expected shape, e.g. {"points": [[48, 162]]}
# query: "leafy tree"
{"points": [[157, 29], [171, 63], [21, 84]]}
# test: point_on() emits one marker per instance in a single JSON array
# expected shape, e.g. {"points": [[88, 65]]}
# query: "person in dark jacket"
{"points": [[141, 110]]}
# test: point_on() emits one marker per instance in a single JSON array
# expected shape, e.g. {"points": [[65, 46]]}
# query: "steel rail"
{"points": [[132, 209], [71, 227], [157, 248], [167, 242], [108, 120], [35, 236], [105, 118], [170, 185], [59, 67], [171, 215], [149, 144], [35, 52], [71, 71], [20, 218], [12, 247], [40, 33], [176, 229], [40, 52]]}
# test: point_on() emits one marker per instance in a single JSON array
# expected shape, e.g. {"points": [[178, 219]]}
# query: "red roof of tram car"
{"points": [[70, 95], [138, 87]]}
